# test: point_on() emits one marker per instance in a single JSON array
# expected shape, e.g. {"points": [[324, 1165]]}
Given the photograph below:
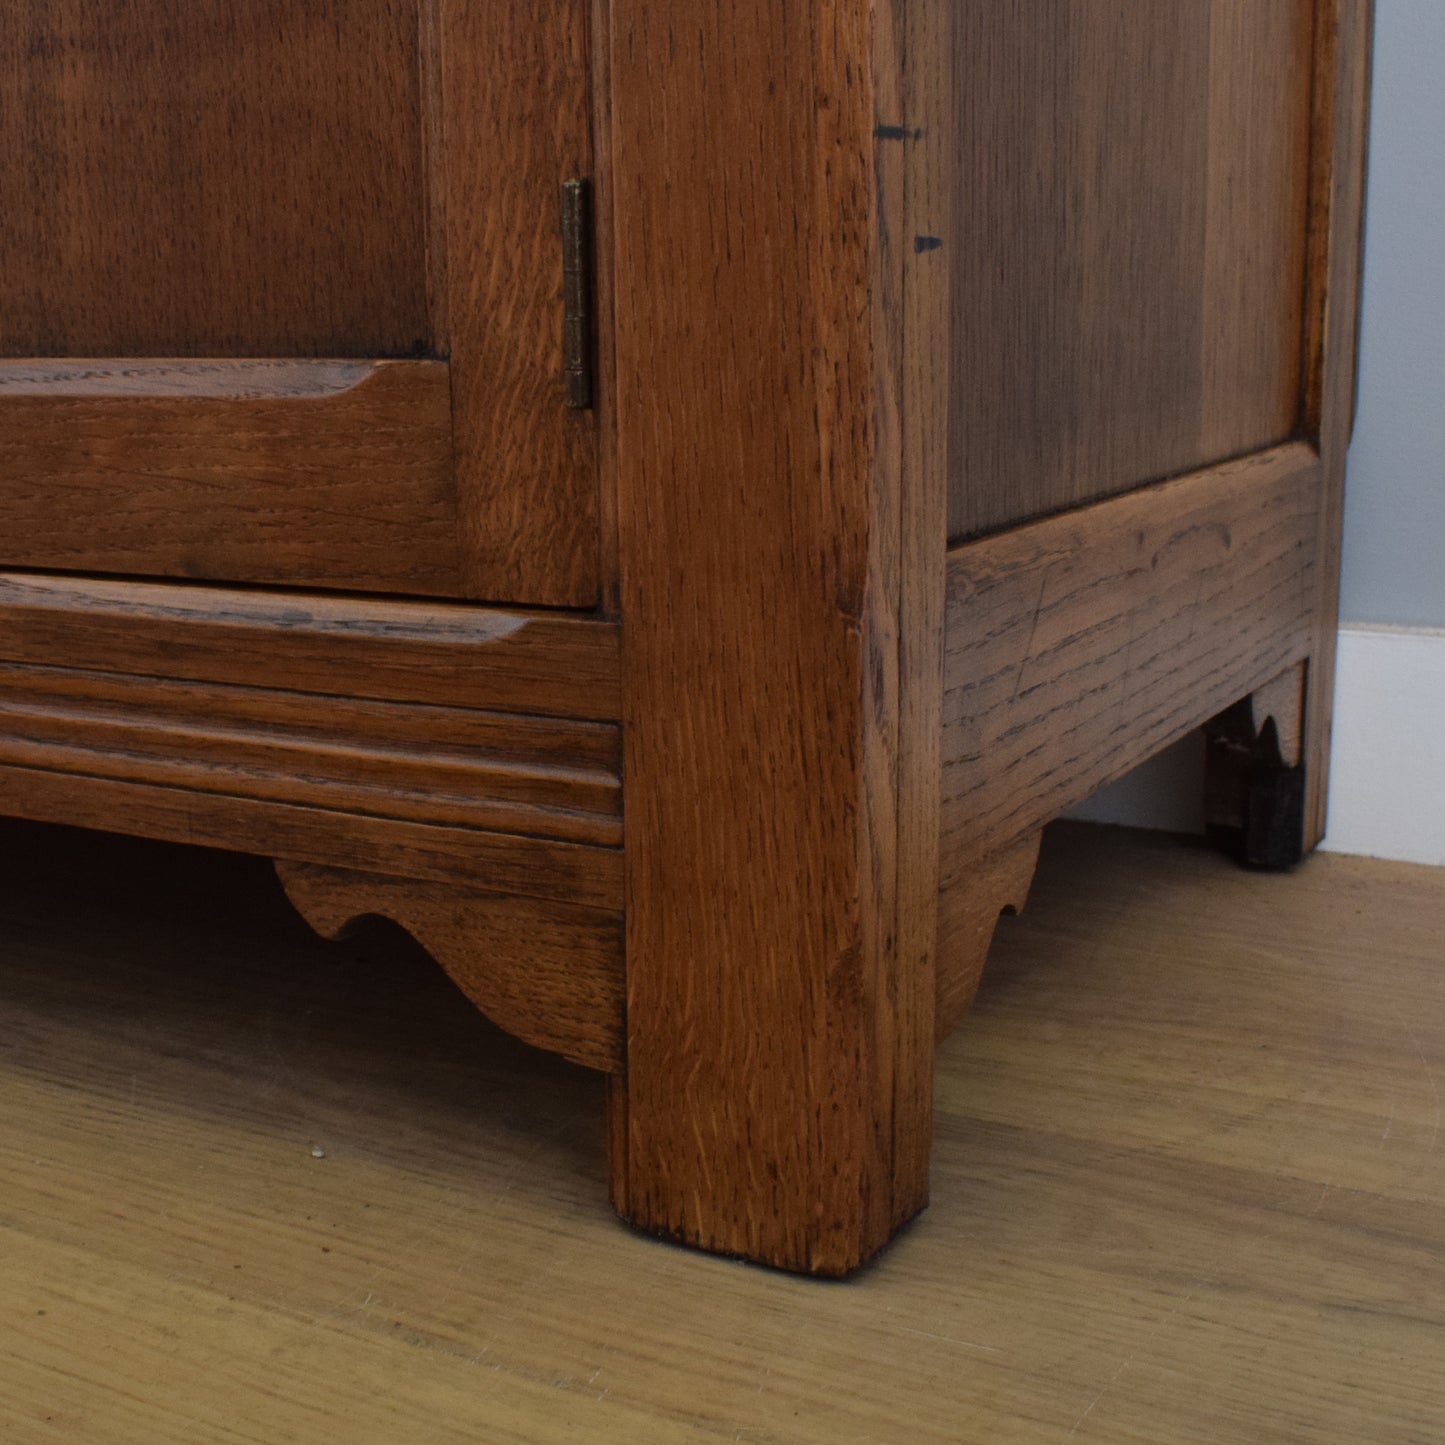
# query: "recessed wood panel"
{"points": [[211, 177], [1128, 244]]}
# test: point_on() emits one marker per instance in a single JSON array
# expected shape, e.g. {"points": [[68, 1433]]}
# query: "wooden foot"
{"points": [[1255, 779], [547, 972]]}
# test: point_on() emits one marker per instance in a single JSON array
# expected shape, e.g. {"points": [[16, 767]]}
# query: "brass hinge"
{"points": [[578, 345]]}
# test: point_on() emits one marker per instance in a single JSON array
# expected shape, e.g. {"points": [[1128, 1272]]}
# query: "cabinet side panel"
{"points": [[1128, 278], [211, 178]]}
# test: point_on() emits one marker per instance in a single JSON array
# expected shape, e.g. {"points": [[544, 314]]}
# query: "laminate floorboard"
{"points": [[1187, 1183]]}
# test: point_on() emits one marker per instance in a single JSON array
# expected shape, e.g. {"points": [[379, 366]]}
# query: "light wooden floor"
{"points": [[1188, 1183]]}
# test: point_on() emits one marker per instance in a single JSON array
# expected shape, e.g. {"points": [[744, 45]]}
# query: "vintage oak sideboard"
{"points": [[837, 435]]}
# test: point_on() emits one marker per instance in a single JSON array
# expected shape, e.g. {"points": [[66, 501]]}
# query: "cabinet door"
{"points": [[281, 294]]}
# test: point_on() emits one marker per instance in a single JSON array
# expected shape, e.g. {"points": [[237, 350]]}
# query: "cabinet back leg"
{"points": [[1255, 774]]}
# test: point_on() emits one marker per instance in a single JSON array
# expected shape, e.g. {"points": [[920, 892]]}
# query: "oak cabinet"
{"points": [[850, 432]]}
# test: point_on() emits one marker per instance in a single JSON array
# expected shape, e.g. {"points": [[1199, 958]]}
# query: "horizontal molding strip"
{"points": [[449, 743], [263, 379], [435, 765], [503, 863], [554, 664]]}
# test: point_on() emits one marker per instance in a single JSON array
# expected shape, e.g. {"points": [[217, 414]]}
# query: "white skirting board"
{"points": [[1387, 774], [1387, 768], [1164, 795]]}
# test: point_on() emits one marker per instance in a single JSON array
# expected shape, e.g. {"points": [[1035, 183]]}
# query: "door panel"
{"points": [[222, 178], [281, 289], [1129, 245]]}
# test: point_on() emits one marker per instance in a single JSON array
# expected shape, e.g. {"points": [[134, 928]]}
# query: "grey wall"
{"points": [[1394, 561]]}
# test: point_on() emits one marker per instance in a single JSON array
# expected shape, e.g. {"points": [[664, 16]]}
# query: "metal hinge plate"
{"points": [[578, 343]]}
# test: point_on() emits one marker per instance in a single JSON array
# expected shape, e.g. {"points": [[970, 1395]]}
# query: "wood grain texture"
{"points": [[309, 474], [1081, 645], [1257, 185], [213, 177], [914, 81], [1191, 1124], [431, 86], [208, 379], [375, 648], [604, 402], [1343, 56], [1282, 702], [775, 1042], [517, 123], [969, 909], [491, 771], [511, 863], [549, 974], [435, 742], [1128, 270]]}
